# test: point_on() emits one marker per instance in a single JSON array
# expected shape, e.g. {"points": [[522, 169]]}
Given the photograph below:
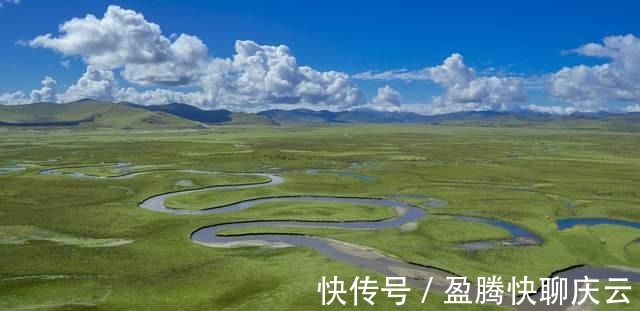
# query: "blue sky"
{"points": [[504, 39]]}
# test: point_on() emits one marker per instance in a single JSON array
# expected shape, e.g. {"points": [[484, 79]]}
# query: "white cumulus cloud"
{"points": [[259, 75], [161, 97], [124, 38], [15, 98], [120, 37], [45, 94], [465, 89], [96, 83], [591, 87], [387, 99], [185, 67]]}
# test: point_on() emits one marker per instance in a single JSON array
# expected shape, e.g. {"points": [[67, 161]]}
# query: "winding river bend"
{"points": [[361, 256]]}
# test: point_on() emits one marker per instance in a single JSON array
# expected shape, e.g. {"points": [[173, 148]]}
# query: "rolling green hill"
{"points": [[89, 113], [220, 116]]}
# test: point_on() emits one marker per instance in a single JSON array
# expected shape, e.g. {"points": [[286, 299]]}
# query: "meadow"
{"points": [[71, 243]]}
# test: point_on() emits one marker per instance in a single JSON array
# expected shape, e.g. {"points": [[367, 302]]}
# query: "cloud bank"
{"points": [[254, 78], [592, 87], [465, 90]]}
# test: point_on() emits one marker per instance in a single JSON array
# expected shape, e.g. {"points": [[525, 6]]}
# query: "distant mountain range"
{"points": [[601, 120], [374, 116], [95, 114], [352, 116]]}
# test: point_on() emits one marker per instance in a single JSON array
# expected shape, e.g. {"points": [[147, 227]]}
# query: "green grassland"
{"points": [[56, 228]]}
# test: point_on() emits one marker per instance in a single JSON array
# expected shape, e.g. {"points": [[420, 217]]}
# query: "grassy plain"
{"points": [[530, 177]]}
